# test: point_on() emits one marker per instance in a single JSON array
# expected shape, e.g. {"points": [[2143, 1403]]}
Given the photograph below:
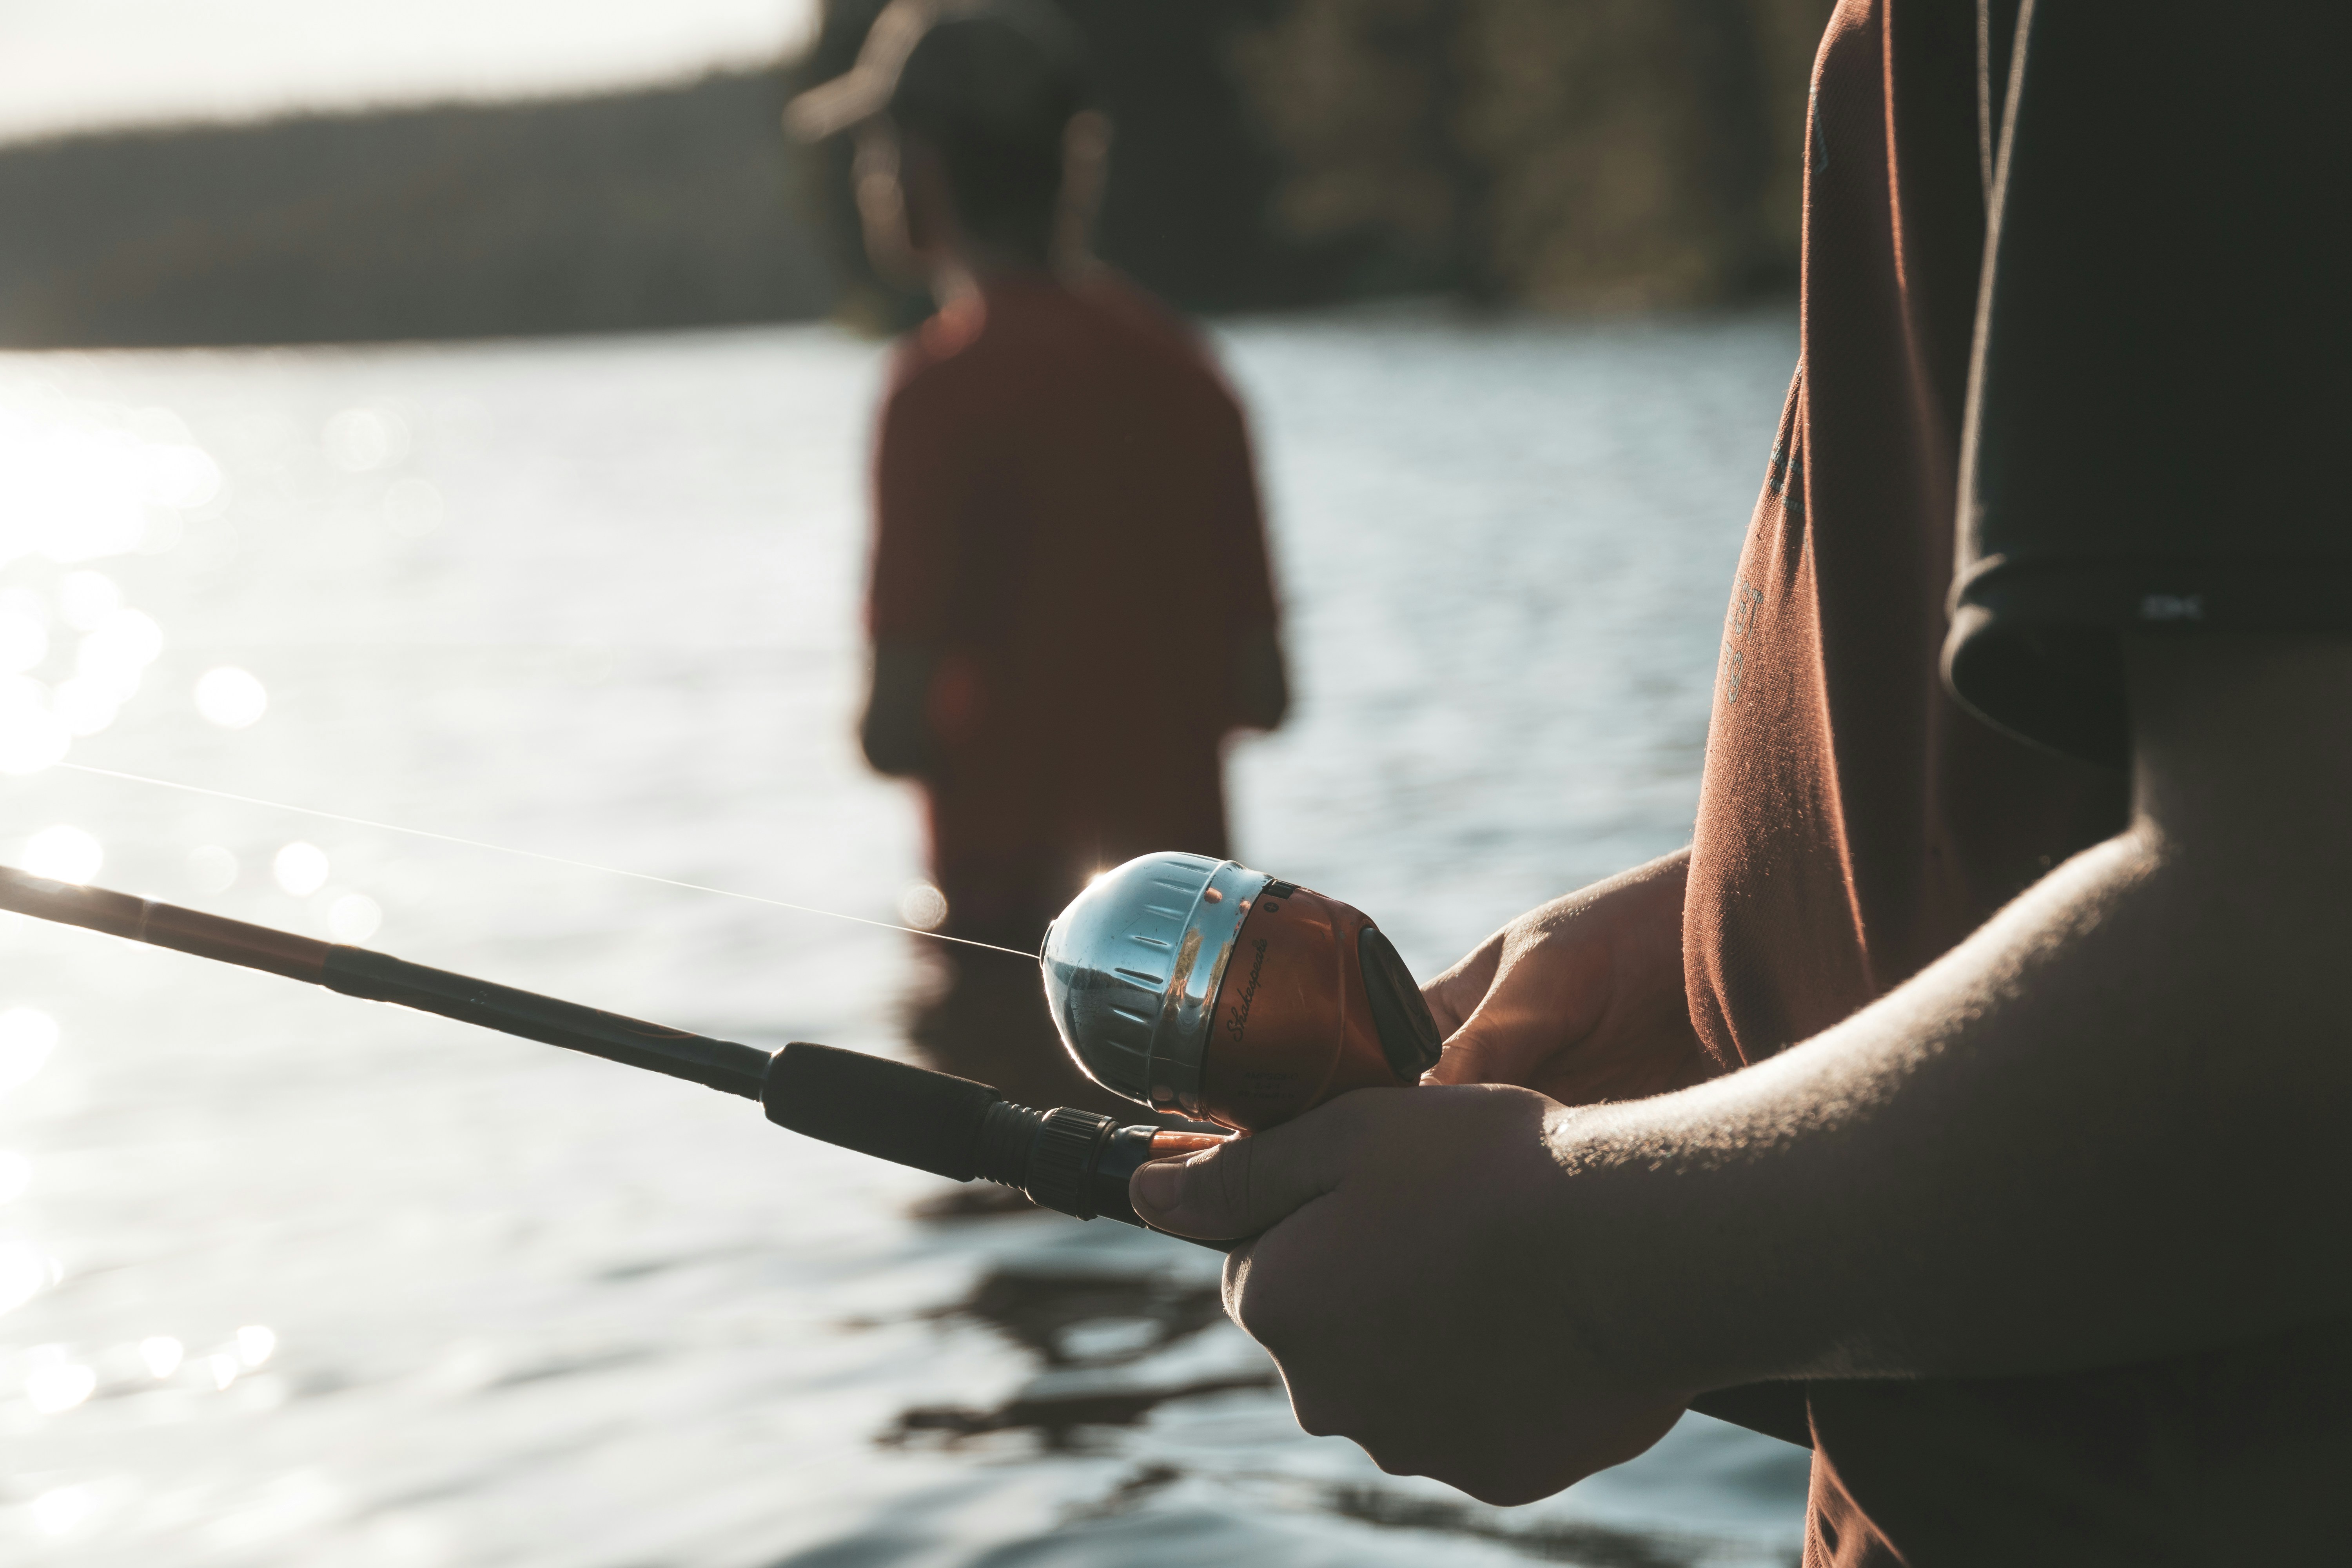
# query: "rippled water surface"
{"points": [[295, 1280]]}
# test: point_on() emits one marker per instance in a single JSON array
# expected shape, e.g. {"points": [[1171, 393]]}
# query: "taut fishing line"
{"points": [[535, 855]]}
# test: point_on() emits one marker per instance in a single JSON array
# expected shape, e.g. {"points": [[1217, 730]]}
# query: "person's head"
{"points": [[975, 145]]}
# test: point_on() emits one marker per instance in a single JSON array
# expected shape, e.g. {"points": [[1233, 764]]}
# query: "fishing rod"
{"points": [[1071, 1161], [1195, 988]]}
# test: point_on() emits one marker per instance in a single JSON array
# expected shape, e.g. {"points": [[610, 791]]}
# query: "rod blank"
{"points": [[356, 972]]}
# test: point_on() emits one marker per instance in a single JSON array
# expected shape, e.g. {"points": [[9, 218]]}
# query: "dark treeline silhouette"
{"points": [[1567, 153], [662, 208]]}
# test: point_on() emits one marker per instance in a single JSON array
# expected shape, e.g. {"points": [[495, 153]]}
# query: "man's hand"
{"points": [[1582, 999], [1416, 1285]]}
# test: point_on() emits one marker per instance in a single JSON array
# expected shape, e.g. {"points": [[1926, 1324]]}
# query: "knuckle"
{"points": [[1237, 1175]]}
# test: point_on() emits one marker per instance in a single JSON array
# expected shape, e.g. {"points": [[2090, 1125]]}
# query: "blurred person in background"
{"points": [[2011, 943], [1071, 603]]}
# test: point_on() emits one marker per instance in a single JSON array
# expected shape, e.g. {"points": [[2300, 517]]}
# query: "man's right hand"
{"points": [[1582, 999]]}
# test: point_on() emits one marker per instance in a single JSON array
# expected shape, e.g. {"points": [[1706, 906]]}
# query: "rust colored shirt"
{"points": [[2074, 359], [1067, 514]]}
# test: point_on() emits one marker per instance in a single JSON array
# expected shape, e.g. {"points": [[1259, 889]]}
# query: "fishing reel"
{"points": [[1204, 989]]}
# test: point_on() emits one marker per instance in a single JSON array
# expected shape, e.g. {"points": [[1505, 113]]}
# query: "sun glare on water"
{"points": [[62, 853], [81, 482]]}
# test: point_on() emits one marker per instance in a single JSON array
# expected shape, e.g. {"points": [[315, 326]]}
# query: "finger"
{"points": [[1454, 996], [1476, 1055], [1242, 1187]]}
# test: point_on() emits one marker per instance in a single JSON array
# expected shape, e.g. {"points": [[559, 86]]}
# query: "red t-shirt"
{"points": [[1067, 513], [2073, 366]]}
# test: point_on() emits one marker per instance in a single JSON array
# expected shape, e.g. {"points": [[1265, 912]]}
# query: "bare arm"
{"points": [[2109, 1125], [2106, 1126]]}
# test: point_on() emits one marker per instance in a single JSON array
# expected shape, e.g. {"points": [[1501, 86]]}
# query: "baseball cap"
{"points": [[1003, 69]]}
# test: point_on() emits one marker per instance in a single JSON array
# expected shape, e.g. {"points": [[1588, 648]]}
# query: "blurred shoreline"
{"points": [[1574, 156]]}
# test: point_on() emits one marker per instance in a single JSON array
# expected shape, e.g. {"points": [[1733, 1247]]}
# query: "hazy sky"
{"points": [[70, 64]]}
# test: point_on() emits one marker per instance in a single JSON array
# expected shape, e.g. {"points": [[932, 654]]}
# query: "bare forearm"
{"points": [[2105, 1127]]}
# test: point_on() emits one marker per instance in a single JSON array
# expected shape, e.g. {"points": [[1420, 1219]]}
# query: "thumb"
{"points": [[1477, 1053], [1238, 1188]]}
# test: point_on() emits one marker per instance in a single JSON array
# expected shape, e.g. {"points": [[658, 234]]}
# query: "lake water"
{"points": [[295, 1280]]}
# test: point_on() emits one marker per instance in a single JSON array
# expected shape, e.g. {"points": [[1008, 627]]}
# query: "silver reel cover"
{"points": [[1132, 967]]}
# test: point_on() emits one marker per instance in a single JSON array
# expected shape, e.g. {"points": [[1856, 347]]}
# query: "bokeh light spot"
{"points": [[300, 869], [359, 439], [923, 907], [23, 1273], [24, 641], [85, 599], [31, 737], [62, 1510], [354, 917], [255, 1343], [84, 707], [54, 1390], [211, 868], [122, 645], [27, 1036], [63, 854], [163, 1355], [231, 697]]}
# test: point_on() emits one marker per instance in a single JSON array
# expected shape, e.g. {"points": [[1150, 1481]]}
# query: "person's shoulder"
{"points": [[935, 357], [1152, 331], [1128, 308]]}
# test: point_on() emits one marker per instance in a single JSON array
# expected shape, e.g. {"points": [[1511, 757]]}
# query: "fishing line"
{"points": [[534, 854]]}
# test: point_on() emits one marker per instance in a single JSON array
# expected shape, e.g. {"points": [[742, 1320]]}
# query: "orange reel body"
{"points": [[1211, 991]]}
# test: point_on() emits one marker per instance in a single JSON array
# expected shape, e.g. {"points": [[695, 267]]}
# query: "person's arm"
{"points": [[894, 731], [2107, 1126], [1261, 695]]}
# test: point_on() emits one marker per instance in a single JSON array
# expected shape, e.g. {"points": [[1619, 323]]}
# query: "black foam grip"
{"points": [[885, 1109]]}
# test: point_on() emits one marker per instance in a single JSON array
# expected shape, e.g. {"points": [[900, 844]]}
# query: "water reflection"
{"points": [[640, 648], [83, 482], [23, 640], [85, 599], [211, 869], [231, 698], [300, 869], [353, 918], [25, 1273], [62, 1510], [55, 1385], [413, 507], [63, 854], [27, 1036], [359, 439]]}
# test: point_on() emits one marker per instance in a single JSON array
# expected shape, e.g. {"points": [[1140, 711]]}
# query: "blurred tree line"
{"points": [[1564, 154]]}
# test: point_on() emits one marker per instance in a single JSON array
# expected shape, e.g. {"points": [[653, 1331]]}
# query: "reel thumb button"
{"points": [[1409, 1036]]}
